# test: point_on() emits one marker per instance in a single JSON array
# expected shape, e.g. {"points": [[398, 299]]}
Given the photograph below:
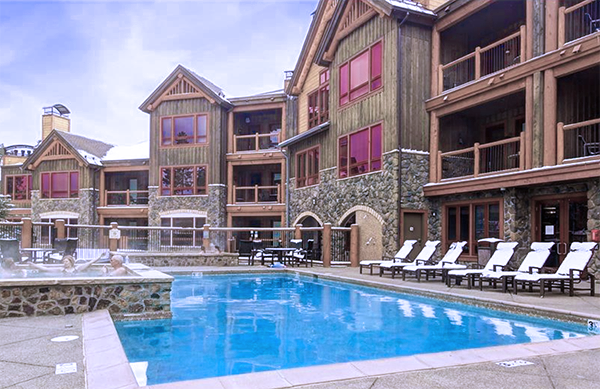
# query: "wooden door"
{"points": [[413, 228]]}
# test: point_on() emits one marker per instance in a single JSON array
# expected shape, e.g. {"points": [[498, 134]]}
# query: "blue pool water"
{"points": [[233, 324]]}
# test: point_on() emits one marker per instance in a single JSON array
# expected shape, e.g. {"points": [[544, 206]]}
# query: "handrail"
{"points": [[256, 138], [126, 192], [581, 124], [457, 152], [561, 128], [256, 188], [577, 6], [501, 41], [499, 142], [459, 60]]}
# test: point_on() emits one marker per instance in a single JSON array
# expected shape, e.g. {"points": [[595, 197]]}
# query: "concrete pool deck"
{"points": [[28, 358]]}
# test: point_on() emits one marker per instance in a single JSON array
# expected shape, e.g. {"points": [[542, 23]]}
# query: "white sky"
{"points": [[102, 59]]}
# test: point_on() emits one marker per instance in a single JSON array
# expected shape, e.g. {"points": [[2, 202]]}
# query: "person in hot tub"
{"points": [[69, 266], [8, 267], [118, 270]]}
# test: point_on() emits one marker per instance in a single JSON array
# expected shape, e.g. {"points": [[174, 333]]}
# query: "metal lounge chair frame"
{"points": [[400, 256], [448, 262], [422, 258]]}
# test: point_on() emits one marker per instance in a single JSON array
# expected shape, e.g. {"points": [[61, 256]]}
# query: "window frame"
{"points": [[370, 159], [471, 247], [28, 183], [302, 177], [195, 238], [172, 188], [374, 83], [195, 136], [318, 109], [72, 193]]}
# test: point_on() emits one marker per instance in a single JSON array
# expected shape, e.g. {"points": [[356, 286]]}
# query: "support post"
{"points": [[476, 160], [477, 63], [26, 233], [560, 146], [113, 237], [327, 245], [433, 148], [61, 231], [550, 100], [206, 237], [354, 255], [298, 232]]}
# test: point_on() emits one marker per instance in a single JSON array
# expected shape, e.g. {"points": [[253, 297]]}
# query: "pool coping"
{"points": [[107, 366]]}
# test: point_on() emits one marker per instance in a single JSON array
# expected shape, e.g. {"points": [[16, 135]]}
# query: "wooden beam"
{"points": [[435, 61], [529, 22], [462, 13], [550, 104], [529, 122], [551, 25], [258, 107], [434, 143]]}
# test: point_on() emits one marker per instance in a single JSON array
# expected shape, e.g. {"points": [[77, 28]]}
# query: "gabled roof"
{"points": [[413, 12], [87, 151], [196, 86]]}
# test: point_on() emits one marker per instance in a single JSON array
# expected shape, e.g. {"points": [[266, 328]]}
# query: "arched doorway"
{"points": [[370, 235], [315, 236]]}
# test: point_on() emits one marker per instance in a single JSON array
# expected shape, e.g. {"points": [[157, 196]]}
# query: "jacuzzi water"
{"points": [[234, 324]]}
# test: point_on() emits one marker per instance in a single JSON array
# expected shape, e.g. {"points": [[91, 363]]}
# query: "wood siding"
{"points": [[87, 177], [310, 85], [414, 81], [211, 154]]}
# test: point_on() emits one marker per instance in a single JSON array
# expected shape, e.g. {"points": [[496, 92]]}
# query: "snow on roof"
{"points": [[92, 159], [410, 6], [119, 153]]}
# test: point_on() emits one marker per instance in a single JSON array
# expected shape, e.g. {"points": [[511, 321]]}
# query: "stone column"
{"points": [[593, 221]]}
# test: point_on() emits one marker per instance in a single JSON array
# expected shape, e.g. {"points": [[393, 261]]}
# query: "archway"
{"points": [[370, 236]]}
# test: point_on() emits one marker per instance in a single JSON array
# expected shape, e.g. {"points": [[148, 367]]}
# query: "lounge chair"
{"points": [[423, 258], [535, 259], [400, 256], [443, 266], [62, 247], [503, 254], [571, 270]]}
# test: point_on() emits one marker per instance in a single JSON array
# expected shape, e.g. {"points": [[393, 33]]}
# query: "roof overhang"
{"points": [[305, 135]]}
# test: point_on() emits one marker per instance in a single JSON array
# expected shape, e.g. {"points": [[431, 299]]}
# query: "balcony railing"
{"points": [[256, 142], [257, 194], [578, 21], [578, 140], [125, 197], [501, 156], [483, 61]]}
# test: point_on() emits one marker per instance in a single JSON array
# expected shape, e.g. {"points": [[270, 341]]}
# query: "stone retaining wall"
{"points": [[184, 259]]}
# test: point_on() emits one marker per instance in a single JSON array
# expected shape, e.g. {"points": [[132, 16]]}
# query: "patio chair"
{"points": [[594, 24], [571, 270], [10, 249], [246, 252], [305, 256], [535, 259], [62, 247], [443, 266], [400, 256], [503, 254], [423, 258]]}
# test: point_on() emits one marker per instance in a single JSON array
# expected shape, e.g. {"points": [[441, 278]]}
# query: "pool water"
{"points": [[234, 324]]}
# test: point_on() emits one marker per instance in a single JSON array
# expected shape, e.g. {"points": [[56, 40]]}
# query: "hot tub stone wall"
{"points": [[184, 259], [152, 300]]}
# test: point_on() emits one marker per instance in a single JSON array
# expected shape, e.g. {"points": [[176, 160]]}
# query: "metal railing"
{"points": [[578, 140], [256, 142], [500, 156], [257, 194], [497, 56], [10, 230], [578, 21], [126, 197]]}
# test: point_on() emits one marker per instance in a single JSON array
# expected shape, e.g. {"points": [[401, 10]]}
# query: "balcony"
{"points": [[256, 142], [258, 194], [578, 20], [126, 198], [494, 157], [256, 131]]}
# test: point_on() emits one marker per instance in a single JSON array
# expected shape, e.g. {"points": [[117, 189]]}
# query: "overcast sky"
{"points": [[102, 59]]}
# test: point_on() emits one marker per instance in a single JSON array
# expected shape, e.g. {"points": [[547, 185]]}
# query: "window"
{"points": [[360, 152], [318, 102], [60, 185], [19, 187], [184, 130], [471, 222], [48, 232], [307, 167], [361, 74], [183, 181], [182, 237]]}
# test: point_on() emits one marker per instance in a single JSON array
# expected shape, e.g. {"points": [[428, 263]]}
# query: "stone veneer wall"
{"points": [[152, 300], [333, 197], [85, 206], [594, 220], [184, 259]]}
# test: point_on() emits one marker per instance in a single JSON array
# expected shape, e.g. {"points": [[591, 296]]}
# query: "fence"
{"points": [[578, 21], [338, 245], [578, 140]]}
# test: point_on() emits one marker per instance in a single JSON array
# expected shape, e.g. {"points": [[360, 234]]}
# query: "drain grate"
{"points": [[517, 363], [66, 338], [66, 368]]}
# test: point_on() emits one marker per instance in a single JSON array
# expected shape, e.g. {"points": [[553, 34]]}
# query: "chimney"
{"points": [[55, 117], [288, 78]]}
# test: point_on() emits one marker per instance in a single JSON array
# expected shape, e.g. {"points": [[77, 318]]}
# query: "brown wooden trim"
{"points": [[462, 13], [435, 61], [306, 151], [258, 107], [172, 188], [124, 169], [122, 212], [230, 131], [588, 46], [529, 122], [576, 65], [255, 210], [368, 128], [529, 11], [184, 145], [551, 25], [342, 33], [560, 173], [253, 158], [434, 146]]}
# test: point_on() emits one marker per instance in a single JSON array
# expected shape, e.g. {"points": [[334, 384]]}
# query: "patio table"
{"points": [[283, 254]]}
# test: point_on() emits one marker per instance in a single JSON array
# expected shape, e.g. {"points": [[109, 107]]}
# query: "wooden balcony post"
{"points": [[61, 231], [26, 233], [231, 147], [523, 37], [206, 237], [327, 245], [440, 79], [234, 196], [297, 231], [128, 198], [433, 147], [476, 159], [550, 107], [279, 194], [529, 13], [477, 63], [561, 27], [113, 237], [439, 172], [528, 147], [560, 142], [522, 151], [256, 140], [256, 193], [235, 144], [354, 252], [435, 61], [551, 26]]}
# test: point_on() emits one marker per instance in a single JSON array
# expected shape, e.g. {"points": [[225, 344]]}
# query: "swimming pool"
{"points": [[234, 324]]}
